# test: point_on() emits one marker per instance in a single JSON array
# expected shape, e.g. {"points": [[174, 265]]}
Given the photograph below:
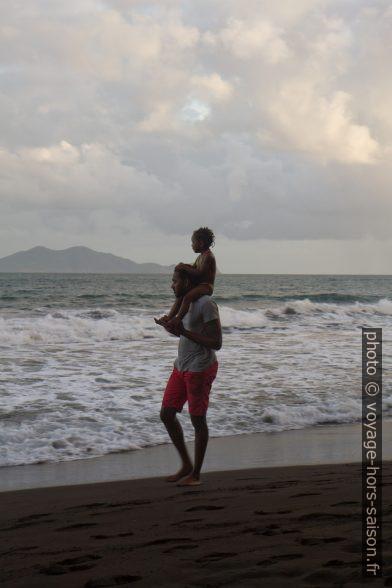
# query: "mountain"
{"points": [[76, 260]]}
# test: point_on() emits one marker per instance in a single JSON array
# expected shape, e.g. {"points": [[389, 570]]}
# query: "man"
{"points": [[194, 371]]}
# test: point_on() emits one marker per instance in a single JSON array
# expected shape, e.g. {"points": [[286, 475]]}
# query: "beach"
{"points": [[272, 526], [332, 444]]}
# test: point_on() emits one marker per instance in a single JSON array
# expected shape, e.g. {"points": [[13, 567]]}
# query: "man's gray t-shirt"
{"points": [[192, 356]]}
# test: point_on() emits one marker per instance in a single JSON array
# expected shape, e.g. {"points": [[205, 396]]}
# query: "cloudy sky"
{"points": [[126, 124]]}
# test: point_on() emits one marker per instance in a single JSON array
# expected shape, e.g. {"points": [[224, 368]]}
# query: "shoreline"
{"points": [[324, 444]]}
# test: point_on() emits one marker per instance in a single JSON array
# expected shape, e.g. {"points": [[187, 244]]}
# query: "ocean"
{"points": [[84, 366]]}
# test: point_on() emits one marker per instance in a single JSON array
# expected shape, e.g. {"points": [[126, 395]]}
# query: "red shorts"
{"points": [[193, 387]]}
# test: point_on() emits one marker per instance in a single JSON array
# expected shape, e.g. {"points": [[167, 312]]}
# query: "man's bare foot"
{"points": [[184, 471], [189, 481]]}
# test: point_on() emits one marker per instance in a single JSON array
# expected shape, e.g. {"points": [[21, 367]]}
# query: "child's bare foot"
{"points": [[161, 321], [184, 471], [175, 322], [190, 480]]}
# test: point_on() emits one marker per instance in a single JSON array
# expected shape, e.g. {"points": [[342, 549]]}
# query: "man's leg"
{"points": [[198, 390], [173, 427], [201, 441]]}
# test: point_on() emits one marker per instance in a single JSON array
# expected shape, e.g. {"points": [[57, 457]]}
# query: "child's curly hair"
{"points": [[206, 235]]}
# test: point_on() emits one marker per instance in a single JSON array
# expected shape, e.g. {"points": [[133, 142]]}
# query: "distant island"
{"points": [[76, 260]]}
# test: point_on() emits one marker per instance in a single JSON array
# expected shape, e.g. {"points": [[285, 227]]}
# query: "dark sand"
{"points": [[278, 527]]}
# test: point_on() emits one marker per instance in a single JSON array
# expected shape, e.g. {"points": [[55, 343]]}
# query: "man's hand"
{"points": [[161, 321], [173, 329]]}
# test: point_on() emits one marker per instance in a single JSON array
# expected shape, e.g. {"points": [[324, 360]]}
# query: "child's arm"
{"points": [[173, 311], [185, 266], [175, 308], [205, 271], [190, 269]]}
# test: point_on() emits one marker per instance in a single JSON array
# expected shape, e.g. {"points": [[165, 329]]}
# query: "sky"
{"points": [[127, 124]]}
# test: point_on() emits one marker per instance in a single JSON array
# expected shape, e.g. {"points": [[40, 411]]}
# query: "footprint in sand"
{"points": [[308, 494], [310, 541], [128, 534], [223, 525], [33, 517], [77, 526], [28, 521], [21, 525], [279, 558], [186, 521], [88, 506], [111, 581], [100, 536], [319, 540], [127, 503], [204, 507], [215, 556], [346, 503], [137, 502], [165, 540], [66, 566], [281, 485], [181, 547], [323, 516]]}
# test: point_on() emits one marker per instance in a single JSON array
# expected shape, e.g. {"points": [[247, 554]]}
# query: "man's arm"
{"points": [[211, 336]]}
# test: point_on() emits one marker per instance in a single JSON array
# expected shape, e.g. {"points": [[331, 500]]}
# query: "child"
{"points": [[203, 271]]}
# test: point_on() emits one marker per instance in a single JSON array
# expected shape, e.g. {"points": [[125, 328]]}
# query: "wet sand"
{"points": [[278, 527], [311, 446]]}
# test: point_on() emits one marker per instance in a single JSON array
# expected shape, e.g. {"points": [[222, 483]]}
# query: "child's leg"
{"points": [[191, 296], [174, 309]]}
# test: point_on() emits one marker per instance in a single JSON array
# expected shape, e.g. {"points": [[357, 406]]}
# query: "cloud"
{"points": [[269, 119], [211, 87], [68, 177], [250, 39], [321, 125]]}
